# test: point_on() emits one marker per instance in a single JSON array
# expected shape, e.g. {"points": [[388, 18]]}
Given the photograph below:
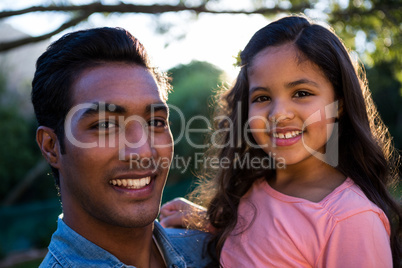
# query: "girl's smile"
{"points": [[285, 136]]}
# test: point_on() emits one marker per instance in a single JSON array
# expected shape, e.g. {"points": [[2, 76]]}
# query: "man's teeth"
{"points": [[131, 183], [287, 135]]}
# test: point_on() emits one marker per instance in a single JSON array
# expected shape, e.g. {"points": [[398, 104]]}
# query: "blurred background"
{"points": [[196, 42]]}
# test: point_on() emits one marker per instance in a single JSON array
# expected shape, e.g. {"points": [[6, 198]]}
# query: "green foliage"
{"points": [[378, 24], [28, 226], [385, 90], [29, 264], [193, 85], [18, 152]]}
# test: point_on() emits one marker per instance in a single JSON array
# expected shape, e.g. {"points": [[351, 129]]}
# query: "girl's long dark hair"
{"points": [[366, 154]]}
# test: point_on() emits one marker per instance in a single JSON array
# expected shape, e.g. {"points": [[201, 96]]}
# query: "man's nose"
{"points": [[136, 143]]}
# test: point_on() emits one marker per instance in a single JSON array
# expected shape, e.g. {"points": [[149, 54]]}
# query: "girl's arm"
{"points": [[182, 213]]}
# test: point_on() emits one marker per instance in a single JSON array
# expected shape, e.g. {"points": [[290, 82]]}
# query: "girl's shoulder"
{"points": [[343, 202], [348, 200]]}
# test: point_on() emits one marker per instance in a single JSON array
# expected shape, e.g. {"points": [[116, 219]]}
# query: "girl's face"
{"points": [[292, 106]]}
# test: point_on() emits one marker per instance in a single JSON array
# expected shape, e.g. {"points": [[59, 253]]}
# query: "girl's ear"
{"points": [[49, 145]]}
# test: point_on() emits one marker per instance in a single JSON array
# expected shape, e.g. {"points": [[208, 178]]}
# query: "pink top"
{"points": [[343, 230]]}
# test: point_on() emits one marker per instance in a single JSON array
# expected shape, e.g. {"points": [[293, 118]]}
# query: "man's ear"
{"points": [[49, 145]]}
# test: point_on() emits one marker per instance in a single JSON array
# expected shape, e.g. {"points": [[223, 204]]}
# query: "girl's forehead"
{"points": [[286, 47], [283, 65], [281, 52]]}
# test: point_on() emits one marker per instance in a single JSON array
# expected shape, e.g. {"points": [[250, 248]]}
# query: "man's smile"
{"points": [[131, 183]]}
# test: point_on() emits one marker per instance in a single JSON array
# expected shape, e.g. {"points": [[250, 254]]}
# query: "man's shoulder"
{"points": [[188, 239], [192, 245], [186, 234], [50, 262]]}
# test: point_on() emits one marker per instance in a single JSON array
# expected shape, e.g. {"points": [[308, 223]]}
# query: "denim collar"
{"points": [[73, 250], [172, 257]]}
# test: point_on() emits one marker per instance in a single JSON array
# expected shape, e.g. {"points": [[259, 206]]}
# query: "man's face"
{"points": [[118, 148]]}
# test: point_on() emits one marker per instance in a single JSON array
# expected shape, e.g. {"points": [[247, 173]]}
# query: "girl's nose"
{"points": [[280, 111]]}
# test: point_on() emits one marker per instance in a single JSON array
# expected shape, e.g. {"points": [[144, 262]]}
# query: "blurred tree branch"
{"points": [[23, 41], [380, 20], [145, 9], [81, 13]]}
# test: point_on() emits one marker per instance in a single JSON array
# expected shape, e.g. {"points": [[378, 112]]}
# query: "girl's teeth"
{"points": [[287, 135], [131, 183]]}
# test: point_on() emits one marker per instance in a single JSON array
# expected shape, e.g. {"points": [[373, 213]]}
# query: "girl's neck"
{"points": [[312, 180]]}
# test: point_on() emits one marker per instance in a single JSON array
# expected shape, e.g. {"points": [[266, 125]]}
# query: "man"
{"points": [[103, 128]]}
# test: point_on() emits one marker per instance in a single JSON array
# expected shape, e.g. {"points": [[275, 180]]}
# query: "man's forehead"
{"points": [[128, 86]]}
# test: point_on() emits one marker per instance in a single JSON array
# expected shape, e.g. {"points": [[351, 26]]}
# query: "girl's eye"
{"points": [[262, 99], [302, 94]]}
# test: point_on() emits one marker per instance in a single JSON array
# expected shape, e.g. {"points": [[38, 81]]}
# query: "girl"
{"points": [[299, 101]]}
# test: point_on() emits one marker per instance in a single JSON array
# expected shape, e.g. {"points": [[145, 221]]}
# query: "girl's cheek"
{"points": [[257, 126]]}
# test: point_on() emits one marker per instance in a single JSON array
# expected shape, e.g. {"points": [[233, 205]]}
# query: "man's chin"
{"points": [[139, 219]]}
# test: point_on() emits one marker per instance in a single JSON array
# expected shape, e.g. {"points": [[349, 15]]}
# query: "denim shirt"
{"points": [[180, 248]]}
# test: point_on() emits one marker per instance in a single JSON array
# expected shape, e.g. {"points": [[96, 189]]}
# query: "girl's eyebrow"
{"points": [[287, 85], [253, 89], [301, 82]]}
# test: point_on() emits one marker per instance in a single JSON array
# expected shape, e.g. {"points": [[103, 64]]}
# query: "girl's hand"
{"points": [[179, 212]]}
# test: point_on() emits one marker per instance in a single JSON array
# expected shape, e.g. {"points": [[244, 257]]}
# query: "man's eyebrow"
{"points": [[301, 82], [97, 107], [156, 107]]}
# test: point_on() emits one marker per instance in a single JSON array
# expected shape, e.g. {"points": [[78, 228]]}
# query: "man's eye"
{"points": [[302, 94], [157, 123], [105, 125]]}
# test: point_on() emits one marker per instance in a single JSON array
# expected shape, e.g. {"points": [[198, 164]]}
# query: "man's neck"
{"points": [[132, 246]]}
